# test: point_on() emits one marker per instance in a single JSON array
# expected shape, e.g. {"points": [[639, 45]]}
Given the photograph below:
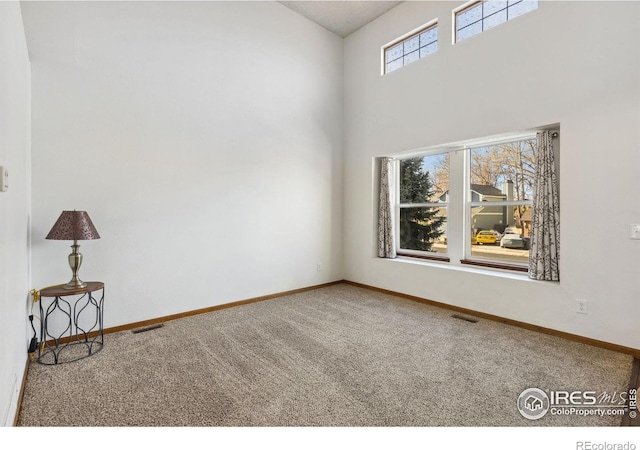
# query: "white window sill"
{"points": [[500, 273]]}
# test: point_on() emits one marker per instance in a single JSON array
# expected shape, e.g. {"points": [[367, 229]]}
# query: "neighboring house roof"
{"points": [[526, 216], [486, 189]]}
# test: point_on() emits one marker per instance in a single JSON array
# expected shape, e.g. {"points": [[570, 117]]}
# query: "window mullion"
{"points": [[423, 205], [511, 203], [455, 211]]}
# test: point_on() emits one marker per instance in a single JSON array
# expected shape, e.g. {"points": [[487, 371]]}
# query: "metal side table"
{"points": [[71, 325]]}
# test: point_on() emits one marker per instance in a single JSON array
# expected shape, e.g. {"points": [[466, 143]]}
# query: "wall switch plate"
{"points": [[4, 179], [319, 267], [582, 307], [635, 231]]}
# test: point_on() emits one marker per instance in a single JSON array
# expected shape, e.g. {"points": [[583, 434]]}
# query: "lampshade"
{"points": [[73, 226]]}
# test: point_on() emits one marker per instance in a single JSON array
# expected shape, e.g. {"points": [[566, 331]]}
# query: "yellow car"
{"points": [[486, 237]]}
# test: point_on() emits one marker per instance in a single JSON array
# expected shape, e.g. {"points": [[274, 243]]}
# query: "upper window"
{"points": [[480, 16], [418, 45]]}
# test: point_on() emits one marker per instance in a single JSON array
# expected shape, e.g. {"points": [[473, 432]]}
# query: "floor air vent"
{"points": [[467, 319], [149, 328]]}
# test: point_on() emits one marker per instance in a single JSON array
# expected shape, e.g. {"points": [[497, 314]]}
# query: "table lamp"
{"points": [[74, 226]]}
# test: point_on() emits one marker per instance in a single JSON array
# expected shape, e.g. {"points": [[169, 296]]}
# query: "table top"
{"points": [[59, 290]]}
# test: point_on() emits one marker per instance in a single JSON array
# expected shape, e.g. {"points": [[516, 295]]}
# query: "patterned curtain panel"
{"points": [[545, 237], [386, 247]]}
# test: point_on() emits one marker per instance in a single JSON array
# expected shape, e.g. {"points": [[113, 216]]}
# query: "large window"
{"points": [[484, 218], [422, 209], [479, 16], [418, 45], [499, 199]]}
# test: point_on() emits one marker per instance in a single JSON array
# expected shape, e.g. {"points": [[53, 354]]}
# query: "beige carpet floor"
{"points": [[336, 356]]}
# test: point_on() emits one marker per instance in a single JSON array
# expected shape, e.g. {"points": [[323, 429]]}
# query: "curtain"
{"points": [[545, 236], [386, 244]]}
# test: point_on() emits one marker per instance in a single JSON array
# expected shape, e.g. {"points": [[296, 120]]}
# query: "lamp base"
{"points": [[75, 261]]}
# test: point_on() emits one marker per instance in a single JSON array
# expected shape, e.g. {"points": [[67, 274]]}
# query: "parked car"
{"points": [[486, 237], [514, 241]]}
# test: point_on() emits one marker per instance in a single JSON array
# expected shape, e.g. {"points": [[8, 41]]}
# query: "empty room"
{"points": [[232, 214]]}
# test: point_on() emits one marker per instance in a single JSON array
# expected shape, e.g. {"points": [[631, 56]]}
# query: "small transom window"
{"points": [[418, 45], [483, 15]]}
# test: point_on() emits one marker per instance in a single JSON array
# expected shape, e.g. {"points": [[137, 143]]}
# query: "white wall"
{"points": [[15, 91], [572, 63], [203, 138]]}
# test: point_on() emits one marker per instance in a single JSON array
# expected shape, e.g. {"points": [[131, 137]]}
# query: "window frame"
{"points": [[432, 24], [459, 201], [422, 254], [474, 3], [469, 204]]}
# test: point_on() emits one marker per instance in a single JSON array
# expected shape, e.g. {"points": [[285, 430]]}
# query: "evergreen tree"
{"points": [[419, 226]]}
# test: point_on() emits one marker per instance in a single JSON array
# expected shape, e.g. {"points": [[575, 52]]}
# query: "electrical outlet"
{"points": [[582, 307], [319, 267], [635, 231]]}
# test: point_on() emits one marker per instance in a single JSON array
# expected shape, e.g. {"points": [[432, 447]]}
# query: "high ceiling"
{"points": [[342, 17]]}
